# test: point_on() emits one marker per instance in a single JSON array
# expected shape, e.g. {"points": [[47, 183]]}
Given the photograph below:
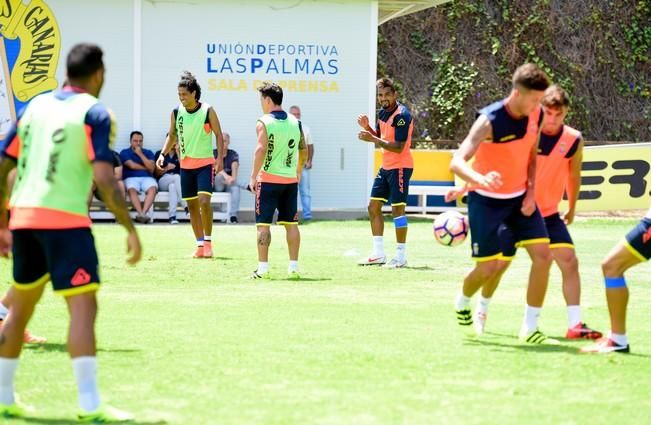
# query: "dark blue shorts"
{"points": [[67, 257], [639, 240], [392, 185], [490, 218], [197, 180], [276, 196], [559, 236]]}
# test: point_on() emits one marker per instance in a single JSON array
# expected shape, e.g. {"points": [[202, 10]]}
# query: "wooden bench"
{"points": [[98, 210], [423, 192]]}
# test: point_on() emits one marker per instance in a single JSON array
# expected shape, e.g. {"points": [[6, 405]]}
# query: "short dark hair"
{"points": [[84, 59], [385, 83], [134, 132], [530, 77], [273, 91], [189, 82], [556, 97]]}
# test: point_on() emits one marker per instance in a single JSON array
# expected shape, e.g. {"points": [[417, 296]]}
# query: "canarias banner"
{"points": [[29, 54]]}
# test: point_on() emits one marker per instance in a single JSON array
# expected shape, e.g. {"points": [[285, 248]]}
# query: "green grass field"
{"points": [[186, 341]]}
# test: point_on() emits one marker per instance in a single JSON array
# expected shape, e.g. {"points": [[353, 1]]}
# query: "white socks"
{"points": [[3, 311], [620, 339], [462, 302], [293, 266], [7, 373], [531, 315], [401, 252], [378, 246], [85, 369], [482, 305], [573, 316], [263, 267]]}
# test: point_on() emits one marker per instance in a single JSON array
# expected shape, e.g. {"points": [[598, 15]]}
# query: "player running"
{"points": [[504, 141], [634, 249]]}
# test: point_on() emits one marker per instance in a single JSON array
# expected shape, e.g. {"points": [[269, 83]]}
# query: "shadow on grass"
{"points": [[62, 421], [63, 348], [538, 348], [428, 268]]}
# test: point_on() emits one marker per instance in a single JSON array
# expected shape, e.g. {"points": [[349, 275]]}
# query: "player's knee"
{"points": [[204, 201], [611, 267], [567, 261], [373, 209], [488, 270], [542, 256]]}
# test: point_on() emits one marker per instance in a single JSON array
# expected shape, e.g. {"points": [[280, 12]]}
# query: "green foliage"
{"points": [[598, 50], [453, 83]]}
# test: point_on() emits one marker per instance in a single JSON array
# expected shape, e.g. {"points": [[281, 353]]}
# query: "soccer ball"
{"points": [[450, 228]]}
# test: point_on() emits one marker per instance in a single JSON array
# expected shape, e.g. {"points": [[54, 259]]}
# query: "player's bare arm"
{"points": [[367, 136], [217, 130], [110, 193], [258, 155], [480, 132], [303, 154], [170, 140], [529, 201], [574, 183]]}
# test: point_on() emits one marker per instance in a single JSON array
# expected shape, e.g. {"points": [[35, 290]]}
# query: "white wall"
{"points": [[177, 35]]}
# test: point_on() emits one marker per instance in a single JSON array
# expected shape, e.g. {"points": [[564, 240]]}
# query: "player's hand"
{"points": [[491, 180], [219, 166], [366, 136], [362, 120], [308, 165], [5, 243], [568, 217], [171, 166], [528, 205], [253, 185], [455, 193], [160, 161], [133, 248]]}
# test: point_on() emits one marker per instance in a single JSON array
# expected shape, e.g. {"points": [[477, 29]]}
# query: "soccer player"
{"points": [[60, 144], [393, 135], [558, 168], [192, 123], [277, 162], [634, 249], [504, 142]]}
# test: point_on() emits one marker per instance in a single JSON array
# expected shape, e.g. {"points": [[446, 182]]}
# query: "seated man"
{"points": [[169, 179], [138, 174], [226, 180], [117, 172]]}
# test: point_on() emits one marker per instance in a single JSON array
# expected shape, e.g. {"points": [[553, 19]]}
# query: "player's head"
{"points": [[227, 139], [85, 67], [271, 96], [555, 103], [387, 95], [296, 111], [136, 139], [529, 85], [189, 90]]}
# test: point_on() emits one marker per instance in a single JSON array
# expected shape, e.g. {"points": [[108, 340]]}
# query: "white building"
{"points": [[322, 52]]}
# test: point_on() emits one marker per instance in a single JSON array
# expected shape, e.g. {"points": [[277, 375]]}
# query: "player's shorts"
{"points": [[392, 185], [638, 240], [559, 236], [140, 184], [197, 180], [490, 218], [67, 257], [276, 196]]}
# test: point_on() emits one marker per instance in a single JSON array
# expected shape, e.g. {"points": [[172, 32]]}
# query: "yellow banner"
{"points": [[615, 177], [40, 43]]}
